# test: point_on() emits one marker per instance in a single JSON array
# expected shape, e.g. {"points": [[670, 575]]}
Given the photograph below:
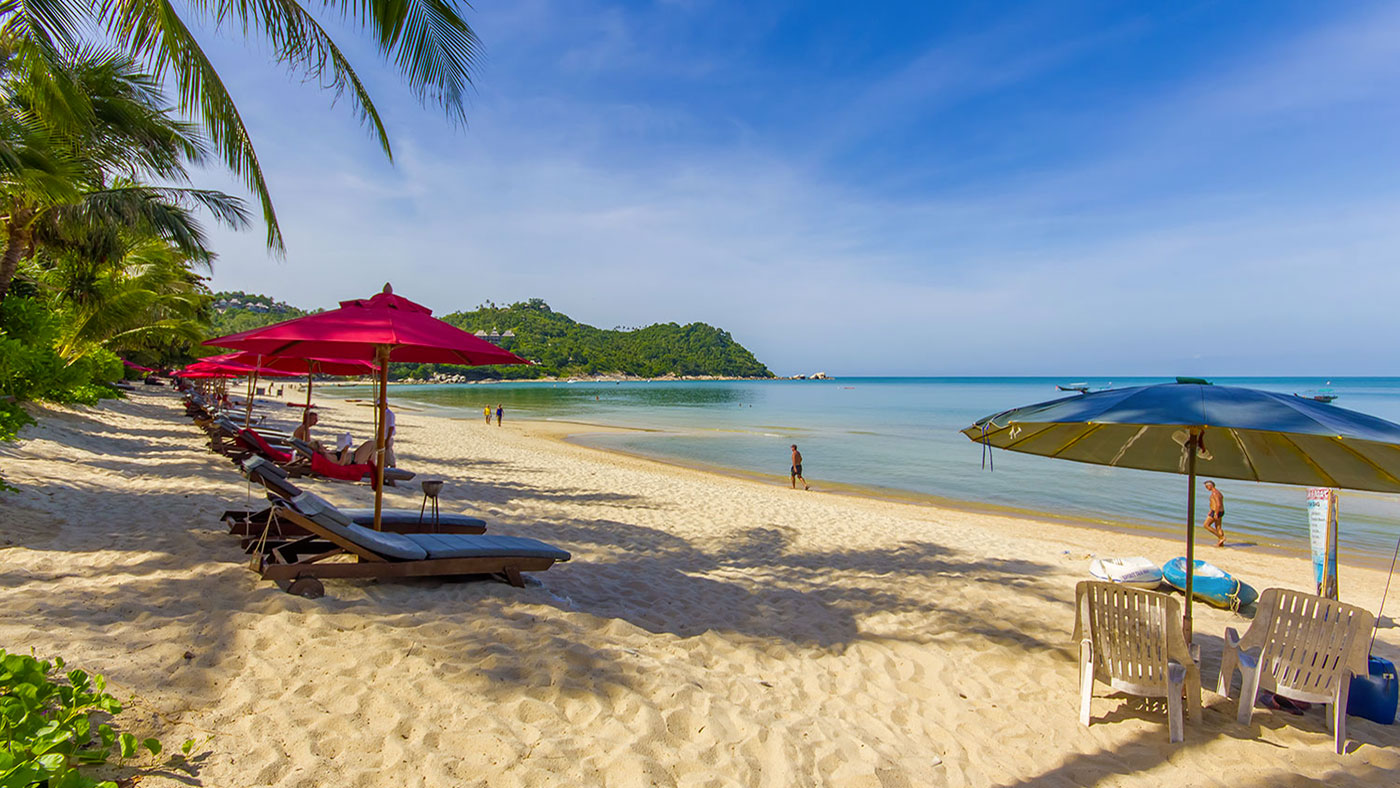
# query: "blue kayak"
{"points": [[1210, 584]]}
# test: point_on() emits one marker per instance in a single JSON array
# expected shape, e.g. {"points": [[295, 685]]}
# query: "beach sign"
{"points": [[1322, 527]]}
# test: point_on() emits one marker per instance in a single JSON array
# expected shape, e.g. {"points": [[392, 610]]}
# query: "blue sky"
{"points": [[1202, 188]]}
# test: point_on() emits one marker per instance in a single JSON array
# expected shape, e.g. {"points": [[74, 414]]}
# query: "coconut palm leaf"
{"points": [[153, 31]]}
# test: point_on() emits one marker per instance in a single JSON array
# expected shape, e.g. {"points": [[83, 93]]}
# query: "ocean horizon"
{"points": [[899, 437]]}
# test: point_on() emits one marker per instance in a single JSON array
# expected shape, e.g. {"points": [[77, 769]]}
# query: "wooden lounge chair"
{"points": [[274, 479], [1303, 647], [298, 566], [1131, 640]]}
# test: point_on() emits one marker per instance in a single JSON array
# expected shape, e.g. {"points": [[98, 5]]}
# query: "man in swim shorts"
{"points": [[1215, 521], [797, 468]]}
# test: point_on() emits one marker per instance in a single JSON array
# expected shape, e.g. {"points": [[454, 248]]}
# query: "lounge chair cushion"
{"points": [[407, 516], [263, 467], [346, 473], [319, 509], [485, 545], [387, 543]]}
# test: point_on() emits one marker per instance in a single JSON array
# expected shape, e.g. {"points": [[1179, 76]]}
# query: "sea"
{"points": [[898, 437]]}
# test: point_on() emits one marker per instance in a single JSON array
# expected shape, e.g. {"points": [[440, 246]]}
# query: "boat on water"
{"points": [[1320, 395], [1210, 584], [1082, 388]]}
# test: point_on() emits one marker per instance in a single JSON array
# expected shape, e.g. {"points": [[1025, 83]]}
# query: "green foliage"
{"points": [[231, 319], [31, 367], [51, 725], [428, 41], [564, 347]]}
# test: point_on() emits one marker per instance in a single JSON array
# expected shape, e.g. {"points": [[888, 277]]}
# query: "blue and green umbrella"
{"points": [[1194, 427]]}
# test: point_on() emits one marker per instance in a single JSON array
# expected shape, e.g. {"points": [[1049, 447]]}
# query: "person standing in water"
{"points": [[797, 469], [500, 410], [1215, 521]]}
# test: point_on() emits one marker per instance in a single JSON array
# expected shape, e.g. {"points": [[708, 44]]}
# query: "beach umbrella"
{"points": [[292, 365], [236, 365], [1193, 427], [380, 329]]}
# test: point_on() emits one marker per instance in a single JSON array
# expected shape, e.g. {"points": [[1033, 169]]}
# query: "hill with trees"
{"points": [[560, 346], [563, 347], [235, 310]]}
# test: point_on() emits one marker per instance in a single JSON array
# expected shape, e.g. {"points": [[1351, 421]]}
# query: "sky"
{"points": [[923, 188]]}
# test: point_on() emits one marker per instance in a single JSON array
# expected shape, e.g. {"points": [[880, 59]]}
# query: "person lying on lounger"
{"points": [[340, 454], [365, 451]]}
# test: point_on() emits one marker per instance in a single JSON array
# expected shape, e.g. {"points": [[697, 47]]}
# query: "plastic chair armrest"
{"points": [[1176, 673], [1249, 658]]}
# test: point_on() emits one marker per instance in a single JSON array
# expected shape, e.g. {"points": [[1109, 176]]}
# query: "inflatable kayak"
{"points": [[1211, 584], [1137, 571]]}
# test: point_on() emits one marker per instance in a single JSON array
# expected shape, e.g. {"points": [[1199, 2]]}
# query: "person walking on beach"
{"points": [[1215, 521], [487, 411], [500, 410], [797, 469]]}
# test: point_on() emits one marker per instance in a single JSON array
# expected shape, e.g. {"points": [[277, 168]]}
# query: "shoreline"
{"points": [[937, 502]]}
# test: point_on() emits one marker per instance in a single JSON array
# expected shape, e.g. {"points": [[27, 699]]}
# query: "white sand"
{"points": [[710, 631]]}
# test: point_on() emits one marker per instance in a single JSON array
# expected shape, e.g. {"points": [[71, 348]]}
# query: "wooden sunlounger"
{"points": [[299, 566]]}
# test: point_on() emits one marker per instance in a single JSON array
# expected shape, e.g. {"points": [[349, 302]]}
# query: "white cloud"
{"points": [[612, 211]]}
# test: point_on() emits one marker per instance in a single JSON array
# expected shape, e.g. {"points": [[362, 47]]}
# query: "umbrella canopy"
{"points": [[230, 365], [361, 327], [1192, 426], [194, 372], [289, 365], [1247, 434], [382, 328]]}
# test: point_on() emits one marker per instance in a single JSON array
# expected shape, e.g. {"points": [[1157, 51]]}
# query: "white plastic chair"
{"points": [[1303, 647], [1131, 640]]}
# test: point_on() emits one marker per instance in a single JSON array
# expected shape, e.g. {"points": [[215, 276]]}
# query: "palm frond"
{"points": [[429, 42], [154, 32], [158, 211], [300, 41]]}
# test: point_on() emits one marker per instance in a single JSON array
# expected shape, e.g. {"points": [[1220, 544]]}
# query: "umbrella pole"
{"points": [[382, 358], [252, 387], [1191, 444]]}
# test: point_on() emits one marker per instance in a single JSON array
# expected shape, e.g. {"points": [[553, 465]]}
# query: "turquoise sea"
{"points": [[899, 436]]}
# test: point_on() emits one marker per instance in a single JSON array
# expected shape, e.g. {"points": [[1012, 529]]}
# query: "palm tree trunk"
{"points": [[16, 244]]}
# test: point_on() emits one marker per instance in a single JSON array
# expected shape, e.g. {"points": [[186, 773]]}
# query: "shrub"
{"points": [[30, 367], [47, 730]]}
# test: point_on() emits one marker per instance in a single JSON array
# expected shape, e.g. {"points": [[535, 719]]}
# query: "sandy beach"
{"points": [[709, 631]]}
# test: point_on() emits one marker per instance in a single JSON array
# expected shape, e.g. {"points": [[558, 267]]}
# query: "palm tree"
{"points": [[426, 39], [81, 157], [147, 298]]}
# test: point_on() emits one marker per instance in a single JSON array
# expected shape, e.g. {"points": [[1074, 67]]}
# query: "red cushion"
{"points": [[259, 444], [349, 473]]}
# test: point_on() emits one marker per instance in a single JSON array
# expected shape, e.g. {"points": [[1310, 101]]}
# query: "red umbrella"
{"points": [[283, 365], [382, 328], [137, 367], [226, 366], [236, 365]]}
